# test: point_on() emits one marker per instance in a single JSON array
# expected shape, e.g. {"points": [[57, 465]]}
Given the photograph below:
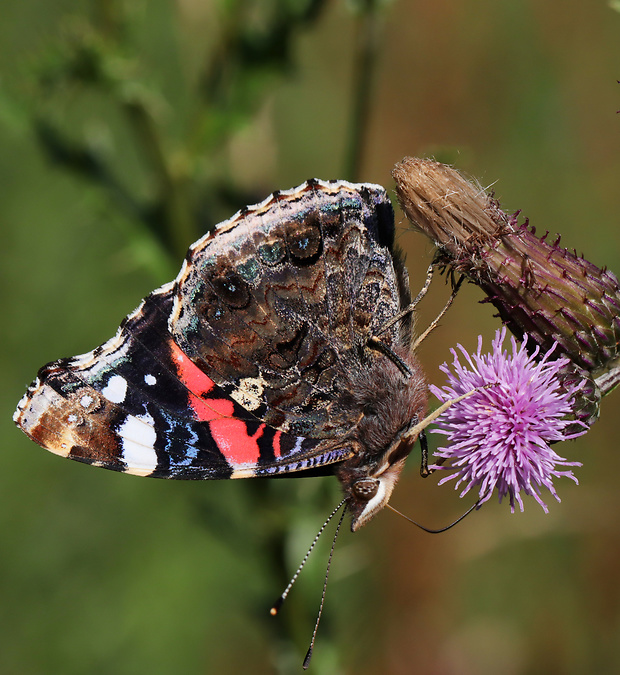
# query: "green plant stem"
{"points": [[365, 59], [172, 184]]}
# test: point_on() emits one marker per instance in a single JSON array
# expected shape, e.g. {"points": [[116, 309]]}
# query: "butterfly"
{"points": [[282, 347]]}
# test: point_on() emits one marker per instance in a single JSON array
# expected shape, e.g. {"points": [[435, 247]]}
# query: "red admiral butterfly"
{"points": [[279, 348]]}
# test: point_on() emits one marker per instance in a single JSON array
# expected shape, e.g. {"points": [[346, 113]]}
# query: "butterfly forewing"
{"points": [[139, 405], [236, 368]]}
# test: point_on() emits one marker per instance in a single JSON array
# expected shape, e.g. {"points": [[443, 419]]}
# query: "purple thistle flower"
{"points": [[501, 435], [539, 288]]}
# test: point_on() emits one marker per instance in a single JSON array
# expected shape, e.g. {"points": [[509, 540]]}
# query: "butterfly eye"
{"points": [[365, 489]]}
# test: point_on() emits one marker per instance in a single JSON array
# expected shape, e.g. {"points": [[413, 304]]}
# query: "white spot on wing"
{"points": [[116, 389], [248, 392], [162, 289], [86, 400], [353, 187], [150, 379], [138, 438], [243, 472]]}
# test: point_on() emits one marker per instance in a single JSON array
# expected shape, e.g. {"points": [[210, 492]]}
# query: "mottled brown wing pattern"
{"points": [[258, 358], [274, 304]]}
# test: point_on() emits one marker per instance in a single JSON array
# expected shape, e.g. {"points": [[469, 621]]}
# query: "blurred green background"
{"points": [[128, 128]]}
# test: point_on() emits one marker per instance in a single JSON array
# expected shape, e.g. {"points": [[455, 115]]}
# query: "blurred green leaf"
{"points": [[13, 113]]}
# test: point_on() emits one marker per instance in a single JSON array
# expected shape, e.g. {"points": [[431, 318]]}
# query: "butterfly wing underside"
{"points": [[271, 307], [232, 370]]}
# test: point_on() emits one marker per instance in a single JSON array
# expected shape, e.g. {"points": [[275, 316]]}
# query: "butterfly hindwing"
{"points": [[240, 366], [273, 305]]}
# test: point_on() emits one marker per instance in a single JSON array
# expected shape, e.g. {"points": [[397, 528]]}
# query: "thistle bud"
{"points": [[539, 288]]}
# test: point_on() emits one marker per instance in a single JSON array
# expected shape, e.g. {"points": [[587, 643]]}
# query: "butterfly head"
{"points": [[369, 487], [391, 405], [368, 495]]}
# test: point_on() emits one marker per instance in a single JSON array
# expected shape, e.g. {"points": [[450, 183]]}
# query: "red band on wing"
{"points": [[200, 386], [230, 434], [234, 442]]}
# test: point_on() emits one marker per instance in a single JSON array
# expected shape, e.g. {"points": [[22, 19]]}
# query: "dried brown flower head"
{"points": [[539, 288]]}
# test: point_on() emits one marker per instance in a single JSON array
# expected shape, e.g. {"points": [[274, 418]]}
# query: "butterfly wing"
{"points": [[277, 303], [234, 369], [138, 404]]}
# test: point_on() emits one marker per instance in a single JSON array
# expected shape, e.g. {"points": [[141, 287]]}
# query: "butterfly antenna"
{"points": [[318, 618], [443, 529], [280, 601]]}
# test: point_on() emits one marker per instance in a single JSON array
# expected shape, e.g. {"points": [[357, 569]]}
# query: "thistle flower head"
{"points": [[539, 288], [500, 436]]}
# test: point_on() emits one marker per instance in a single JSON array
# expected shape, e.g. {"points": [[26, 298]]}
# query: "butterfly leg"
{"points": [[410, 308], [375, 343], [438, 318], [425, 470]]}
